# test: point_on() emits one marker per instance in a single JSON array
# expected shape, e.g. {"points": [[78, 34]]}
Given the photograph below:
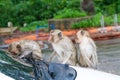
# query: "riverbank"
{"points": [[96, 33]]}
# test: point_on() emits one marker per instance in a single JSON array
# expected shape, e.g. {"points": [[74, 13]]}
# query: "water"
{"points": [[108, 56]]}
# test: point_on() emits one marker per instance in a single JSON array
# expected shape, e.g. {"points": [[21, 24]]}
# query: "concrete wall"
{"points": [[64, 23]]}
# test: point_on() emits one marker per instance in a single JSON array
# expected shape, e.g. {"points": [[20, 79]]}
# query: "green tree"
{"points": [[5, 11]]}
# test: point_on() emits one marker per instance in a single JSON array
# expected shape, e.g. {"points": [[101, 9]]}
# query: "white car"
{"points": [[91, 74], [5, 77]]}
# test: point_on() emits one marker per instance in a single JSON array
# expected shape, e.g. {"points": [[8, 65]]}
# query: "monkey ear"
{"points": [[18, 47], [82, 32], [60, 35]]}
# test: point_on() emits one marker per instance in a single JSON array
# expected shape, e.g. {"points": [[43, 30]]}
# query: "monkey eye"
{"points": [[51, 34], [52, 31]]}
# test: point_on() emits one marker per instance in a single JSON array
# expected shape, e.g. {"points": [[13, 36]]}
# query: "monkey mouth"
{"points": [[51, 38], [14, 53]]}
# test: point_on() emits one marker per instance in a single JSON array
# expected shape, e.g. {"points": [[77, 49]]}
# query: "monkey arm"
{"points": [[52, 56], [25, 53], [86, 57], [67, 58], [92, 43], [95, 59]]}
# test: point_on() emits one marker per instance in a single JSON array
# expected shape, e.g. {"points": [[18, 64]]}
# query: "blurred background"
{"points": [[30, 13]]}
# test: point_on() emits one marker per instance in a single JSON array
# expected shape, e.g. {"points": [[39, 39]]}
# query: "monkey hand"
{"points": [[66, 59]]}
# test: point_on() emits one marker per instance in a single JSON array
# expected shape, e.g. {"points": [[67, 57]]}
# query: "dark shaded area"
{"points": [[51, 71], [88, 6]]}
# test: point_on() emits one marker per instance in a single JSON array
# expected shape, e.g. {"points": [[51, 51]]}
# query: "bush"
{"points": [[32, 26], [92, 22], [118, 18], [29, 19], [69, 13], [109, 20], [95, 21]]}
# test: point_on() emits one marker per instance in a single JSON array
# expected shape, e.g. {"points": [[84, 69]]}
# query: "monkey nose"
{"points": [[12, 52]]}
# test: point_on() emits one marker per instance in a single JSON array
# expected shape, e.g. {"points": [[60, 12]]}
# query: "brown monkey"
{"points": [[24, 47], [63, 48], [88, 53]]}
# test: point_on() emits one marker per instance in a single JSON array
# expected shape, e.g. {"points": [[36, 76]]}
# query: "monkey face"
{"points": [[55, 35], [51, 38], [14, 48], [79, 36]]}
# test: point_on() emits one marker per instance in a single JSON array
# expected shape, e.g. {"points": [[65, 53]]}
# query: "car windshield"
{"points": [[14, 69]]}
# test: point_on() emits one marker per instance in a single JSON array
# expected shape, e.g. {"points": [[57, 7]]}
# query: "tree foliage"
{"points": [[108, 6], [27, 11]]}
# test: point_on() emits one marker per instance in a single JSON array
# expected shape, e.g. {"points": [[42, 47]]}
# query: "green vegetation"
{"points": [[32, 26], [94, 22], [34, 12], [69, 13]]}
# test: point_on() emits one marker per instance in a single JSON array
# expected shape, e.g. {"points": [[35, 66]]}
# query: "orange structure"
{"points": [[44, 36]]}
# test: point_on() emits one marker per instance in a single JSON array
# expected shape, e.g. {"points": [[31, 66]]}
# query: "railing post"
{"points": [[102, 22], [10, 25], [52, 26], [117, 27], [37, 31]]}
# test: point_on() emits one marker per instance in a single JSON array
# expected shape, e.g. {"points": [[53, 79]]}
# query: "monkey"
{"points": [[87, 47], [22, 48], [63, 48]]}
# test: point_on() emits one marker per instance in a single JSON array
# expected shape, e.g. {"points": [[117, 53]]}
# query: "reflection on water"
{"points": [[108, 55], [14, 69]]}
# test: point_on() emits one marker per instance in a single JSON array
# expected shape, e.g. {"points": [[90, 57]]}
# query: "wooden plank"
{"points": [[7, 30]]}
